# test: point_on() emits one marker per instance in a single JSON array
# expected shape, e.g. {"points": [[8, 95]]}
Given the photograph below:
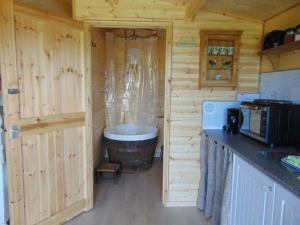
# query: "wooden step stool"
{"points": [[114, 168]]}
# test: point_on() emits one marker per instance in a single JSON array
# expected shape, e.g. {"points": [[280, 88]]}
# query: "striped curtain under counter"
{"points": [[215, 183]]}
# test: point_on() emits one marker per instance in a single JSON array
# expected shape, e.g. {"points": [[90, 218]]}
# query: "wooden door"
{"points": [[252, 195], [48, 139]]}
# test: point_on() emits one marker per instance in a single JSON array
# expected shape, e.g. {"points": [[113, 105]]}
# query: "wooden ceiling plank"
{"points": [[66, 6], [255, 9], [193, 8], [236, 15], [287, 9]]}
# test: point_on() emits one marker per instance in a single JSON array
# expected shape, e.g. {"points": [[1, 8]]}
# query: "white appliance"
{"points": [[3, 179]]}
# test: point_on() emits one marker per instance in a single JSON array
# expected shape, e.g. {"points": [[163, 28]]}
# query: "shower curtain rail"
{"points": [[134, 35]]}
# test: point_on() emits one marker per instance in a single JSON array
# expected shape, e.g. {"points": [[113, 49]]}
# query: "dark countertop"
{"points": [[262, 157]]}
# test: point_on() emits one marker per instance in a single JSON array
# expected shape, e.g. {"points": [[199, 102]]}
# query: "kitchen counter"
{"points": [[262, 157]]}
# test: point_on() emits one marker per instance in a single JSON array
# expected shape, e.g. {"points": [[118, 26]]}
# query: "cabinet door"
{"points": [[252, 195], [287, 207]]}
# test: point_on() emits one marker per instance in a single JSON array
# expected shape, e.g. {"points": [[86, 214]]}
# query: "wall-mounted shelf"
{"points": [[274, 53], [282, 48]]}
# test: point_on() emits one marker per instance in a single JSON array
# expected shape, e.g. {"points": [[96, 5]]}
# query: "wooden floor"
{"points": [[136, 200]]}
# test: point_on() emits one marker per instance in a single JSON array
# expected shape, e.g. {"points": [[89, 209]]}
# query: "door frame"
{"points": [[9, 79], [11, 102], [168, 27]]}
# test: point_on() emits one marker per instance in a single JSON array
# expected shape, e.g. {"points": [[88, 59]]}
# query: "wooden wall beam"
{"points": [[20, 9], [167, 114], [66, 6], [193, 8], [88, 164]]}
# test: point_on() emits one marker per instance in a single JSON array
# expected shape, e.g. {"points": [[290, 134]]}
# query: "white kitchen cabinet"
{"points": [[252, 195], [258, 200], [286, 207]]}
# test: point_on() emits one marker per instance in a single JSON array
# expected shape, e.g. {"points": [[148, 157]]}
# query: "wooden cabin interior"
{"points": [[210, 55]]}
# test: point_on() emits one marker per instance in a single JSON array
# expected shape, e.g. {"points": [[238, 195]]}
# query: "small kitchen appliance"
{"points": [[272, 122], [294, 134], [234, 118]]}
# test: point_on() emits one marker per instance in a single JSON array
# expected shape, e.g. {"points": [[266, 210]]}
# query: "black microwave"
{"points": [[270, 121]]}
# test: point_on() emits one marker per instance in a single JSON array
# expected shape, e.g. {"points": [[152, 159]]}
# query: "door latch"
{"points": [[13, 91], [267, 188], [14, 132]]}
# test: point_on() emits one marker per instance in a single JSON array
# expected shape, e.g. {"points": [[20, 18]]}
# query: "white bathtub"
{"points": [[130, 132]]}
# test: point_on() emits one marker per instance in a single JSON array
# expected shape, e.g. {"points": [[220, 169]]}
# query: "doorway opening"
{"points": [[135, 94]]}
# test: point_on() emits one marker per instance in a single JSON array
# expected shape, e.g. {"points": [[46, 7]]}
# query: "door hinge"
{"points": [[14, 132], [13, 91]]}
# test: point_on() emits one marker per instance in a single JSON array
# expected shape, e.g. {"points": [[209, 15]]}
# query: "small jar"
{"points": [[297, 34], [289, 36]]}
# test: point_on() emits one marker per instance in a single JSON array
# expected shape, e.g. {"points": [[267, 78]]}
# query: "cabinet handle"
{"points": [[267, 188]]}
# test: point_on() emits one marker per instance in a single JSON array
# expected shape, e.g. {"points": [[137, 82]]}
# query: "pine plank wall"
{"points": [[186, 98]]}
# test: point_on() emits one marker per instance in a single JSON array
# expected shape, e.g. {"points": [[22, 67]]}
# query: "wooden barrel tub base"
{"points": [[132, 155], [131, 145]]}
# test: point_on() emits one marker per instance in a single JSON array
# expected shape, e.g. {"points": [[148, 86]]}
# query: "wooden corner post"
{"points": [[88, 117]]}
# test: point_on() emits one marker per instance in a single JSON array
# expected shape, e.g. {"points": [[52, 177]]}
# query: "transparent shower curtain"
{"points": [[131, 81]]}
